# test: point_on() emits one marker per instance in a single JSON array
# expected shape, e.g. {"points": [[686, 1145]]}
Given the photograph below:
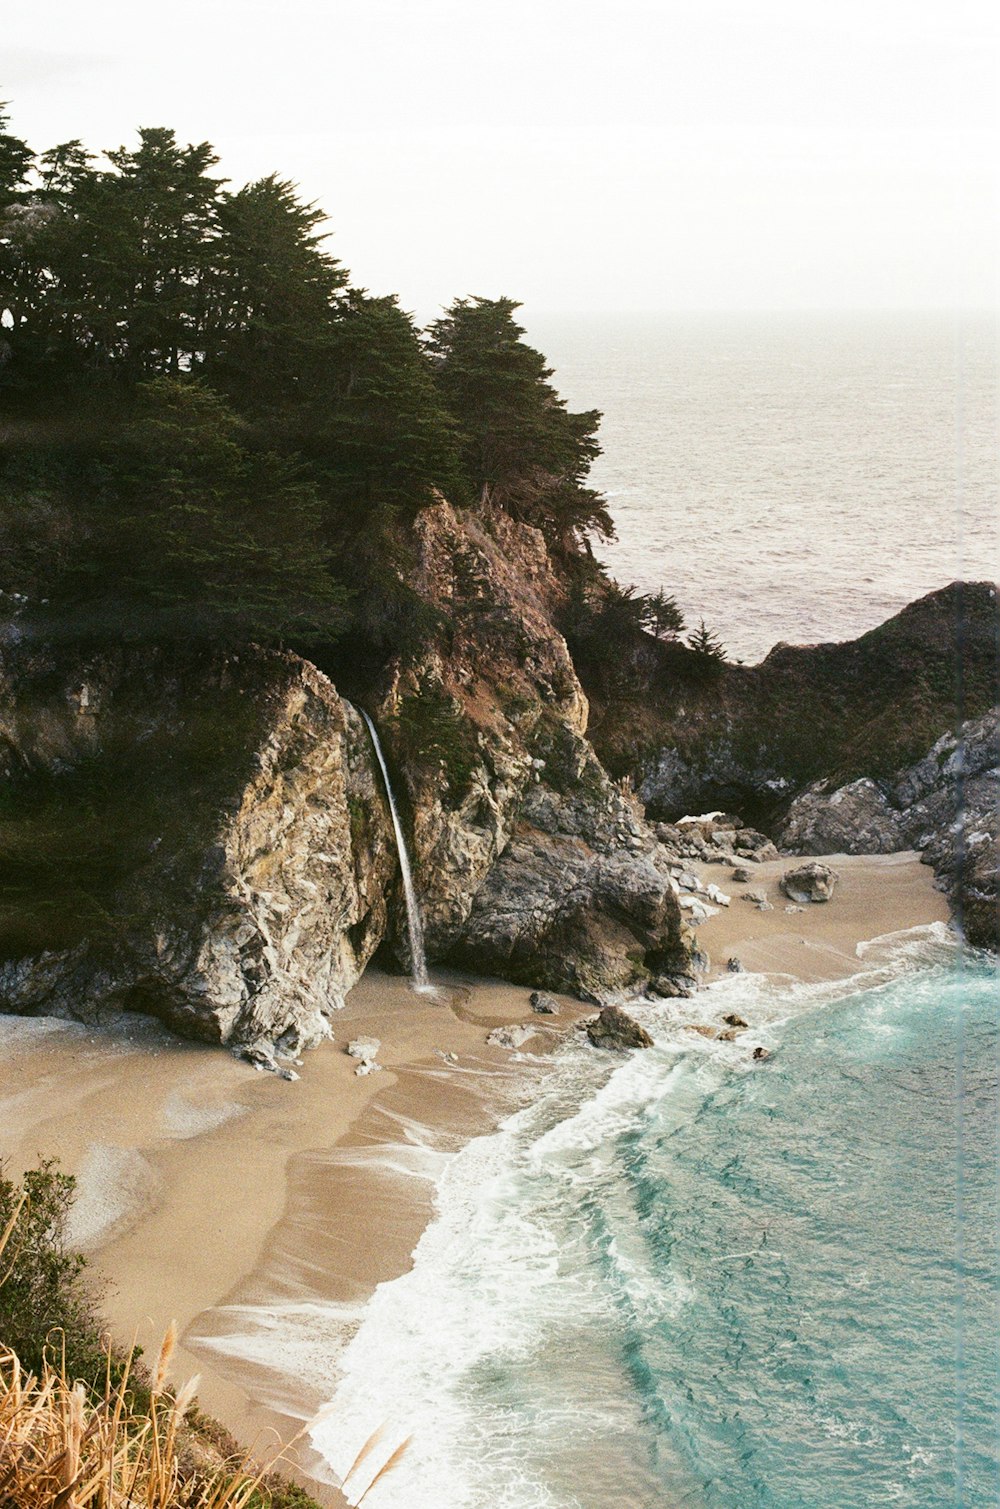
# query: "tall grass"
{"points": [[123, 1443]]}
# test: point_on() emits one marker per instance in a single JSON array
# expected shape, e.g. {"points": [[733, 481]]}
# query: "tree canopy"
{"points": [[209, 431]]}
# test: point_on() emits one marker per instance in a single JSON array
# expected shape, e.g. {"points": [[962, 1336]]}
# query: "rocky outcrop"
{"points": [[749, 737], [809, 883], [530, 862], [614, 1029], [853, 819], [947, 805], [219, 849], [217, 846]]}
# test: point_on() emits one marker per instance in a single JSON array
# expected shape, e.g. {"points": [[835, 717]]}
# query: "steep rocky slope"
{"points": [[206, 842], [697, 736], [947, 805], [210, 842], [530, 861]]}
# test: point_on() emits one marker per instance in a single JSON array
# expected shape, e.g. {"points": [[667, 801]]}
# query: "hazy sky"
{"points": [[644, 154]]}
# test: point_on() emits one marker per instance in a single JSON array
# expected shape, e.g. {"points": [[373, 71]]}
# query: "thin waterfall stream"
{"points": [[414, 922]]}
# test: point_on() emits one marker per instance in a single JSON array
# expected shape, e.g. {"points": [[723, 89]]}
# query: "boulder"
{"points": [[853, 819], [512, 1037], [566, 908], [671, 987], [248, 849], [364, 1048], [751, 844], [616, 1030], [733, 1020], [543, 1004], [812, 882]]}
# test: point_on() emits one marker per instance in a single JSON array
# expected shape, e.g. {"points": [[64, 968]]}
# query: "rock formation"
{"points": [[208, 843], [217, 843], [809, 883], [616, 1030], [531, 863], [750, 737], [947, 805]]}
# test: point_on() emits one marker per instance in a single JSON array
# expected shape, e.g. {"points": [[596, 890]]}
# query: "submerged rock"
{"points": [[616, 1030], [813, 882]]}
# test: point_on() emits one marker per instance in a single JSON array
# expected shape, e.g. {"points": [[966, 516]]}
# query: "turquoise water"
{"points": [[703, 1281]]}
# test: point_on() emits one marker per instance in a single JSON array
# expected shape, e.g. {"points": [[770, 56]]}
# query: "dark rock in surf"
{"points": [[616, 1030]]}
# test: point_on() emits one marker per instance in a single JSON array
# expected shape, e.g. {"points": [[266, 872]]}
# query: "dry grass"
{"points": [[64, 1446]]}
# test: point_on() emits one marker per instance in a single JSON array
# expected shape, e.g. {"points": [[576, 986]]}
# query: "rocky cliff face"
{"points": [[530, 861], [211, 842], [207, 843], [947, 805], [697, 737]]}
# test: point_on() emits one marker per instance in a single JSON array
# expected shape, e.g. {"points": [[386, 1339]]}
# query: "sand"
{"points": [[232, 1202], [874, 895]]}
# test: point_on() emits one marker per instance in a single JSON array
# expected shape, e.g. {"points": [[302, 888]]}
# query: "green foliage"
{"points": [[433, 730], [211, 435], [45, 1304], [520, 447], [706, 646], [661, 615], [200, 536]]}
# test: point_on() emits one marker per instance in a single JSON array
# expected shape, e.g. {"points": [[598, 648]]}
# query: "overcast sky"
{"points": [[577, 154]]}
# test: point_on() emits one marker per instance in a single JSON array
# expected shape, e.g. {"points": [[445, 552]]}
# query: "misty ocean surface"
{"points": [[789, 477], [698, 1280]]}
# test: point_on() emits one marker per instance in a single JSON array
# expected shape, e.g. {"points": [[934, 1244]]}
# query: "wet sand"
{"points": [[235, 1203], [874, 895]]}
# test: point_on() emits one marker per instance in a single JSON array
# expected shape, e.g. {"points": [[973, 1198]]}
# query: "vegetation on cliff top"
{"points": [[210, 434]]}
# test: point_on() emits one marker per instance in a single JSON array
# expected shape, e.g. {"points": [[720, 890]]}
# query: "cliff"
{"points": [[531, 862], [696, 736], [882, 743], [947, 805], [208, 840]]}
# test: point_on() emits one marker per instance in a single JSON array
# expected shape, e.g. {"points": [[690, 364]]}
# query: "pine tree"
{"points": [[661, 615], [521, 449], [706, 645]]}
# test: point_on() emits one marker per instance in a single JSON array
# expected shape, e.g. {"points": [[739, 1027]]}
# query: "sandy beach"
{"points": [[232, 1201]]}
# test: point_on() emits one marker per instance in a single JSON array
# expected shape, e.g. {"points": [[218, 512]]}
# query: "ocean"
{"points": [[789, 477], [689, 1278], [700, 1280]]}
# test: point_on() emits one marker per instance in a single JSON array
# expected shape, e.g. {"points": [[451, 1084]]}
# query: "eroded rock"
{"points": [[616, 1030], [812, 882]]}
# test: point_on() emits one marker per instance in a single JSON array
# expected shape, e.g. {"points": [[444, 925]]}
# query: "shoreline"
{"points": [[238, 1203]]}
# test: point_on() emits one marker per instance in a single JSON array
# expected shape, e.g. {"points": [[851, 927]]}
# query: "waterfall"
{"points": [[414, 924]]}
